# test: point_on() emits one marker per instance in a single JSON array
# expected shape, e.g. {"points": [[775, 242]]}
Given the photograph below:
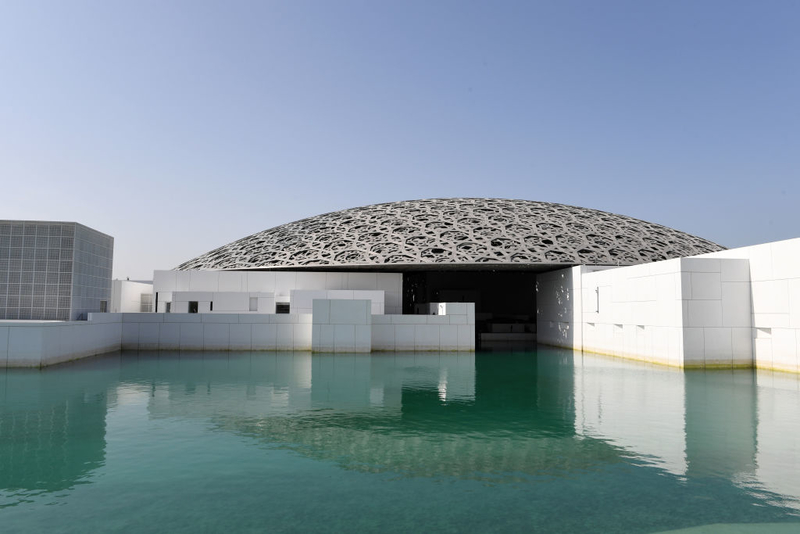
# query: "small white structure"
{"points": [[129, 296], [735, 308], [295, 288], [222, 302]]}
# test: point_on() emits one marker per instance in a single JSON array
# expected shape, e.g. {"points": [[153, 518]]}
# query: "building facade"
{"points": [[50, 270]]}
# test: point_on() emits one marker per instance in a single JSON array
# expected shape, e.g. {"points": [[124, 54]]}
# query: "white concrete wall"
{"points": [[280, 283], [302, 299], [452, 332], [223, 302], [126, 296], [716, 313], [35, 344], [689, 312], [211, 331], [775, 295], [341, 325]]}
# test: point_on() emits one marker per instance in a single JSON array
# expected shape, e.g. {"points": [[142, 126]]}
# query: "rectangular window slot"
{"points": [[282, 307], [211, 306], [192, 306], [253, 304]]}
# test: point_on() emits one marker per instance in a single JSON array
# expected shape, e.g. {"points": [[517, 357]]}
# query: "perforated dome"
{"points": [[456, 232]]}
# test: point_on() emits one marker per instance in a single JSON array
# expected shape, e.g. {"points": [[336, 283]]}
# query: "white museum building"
{"points": [[471, 273]]}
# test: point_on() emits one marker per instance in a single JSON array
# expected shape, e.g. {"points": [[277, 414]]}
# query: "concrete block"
{"points": [[362, 281], [241, 337], [130, 336], [327, 338], [735, 270], [182, 318], [704, 313], [742, 345], [718, 346], [169, 336], [701, 265], [231, 281], [409, 319], [426, 337], [457, 319], [335, 281], [693, 346], [770, 296], [302, 336], [448, 337], [226, 318], [736, 309], [784, 349], [706, 286], [363, 338], [216, 336], [264, 336], [763, 352], [191, 336], [786, 259], [389, 282], [404, 336], [148, 336], [321, 311], [285, 338], [344, 338], [350, 312], [466, 337], [382, 336], [252, 318]]}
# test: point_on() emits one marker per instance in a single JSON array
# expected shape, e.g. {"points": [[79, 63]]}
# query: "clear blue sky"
{"points": [[177, 127]]}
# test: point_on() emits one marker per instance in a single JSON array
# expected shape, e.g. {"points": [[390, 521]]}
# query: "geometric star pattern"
{"points": [[456, 231]]}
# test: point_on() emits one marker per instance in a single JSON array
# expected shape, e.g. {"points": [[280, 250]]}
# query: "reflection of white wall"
{"points": [[280, 283], [622, 402], [126, 296], [778, 435]]}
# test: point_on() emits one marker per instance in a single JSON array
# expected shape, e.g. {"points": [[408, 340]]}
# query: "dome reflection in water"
{"points": [[495, 442]]}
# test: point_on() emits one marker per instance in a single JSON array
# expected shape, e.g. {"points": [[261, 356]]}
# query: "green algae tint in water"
{"points": [[259, 442]]}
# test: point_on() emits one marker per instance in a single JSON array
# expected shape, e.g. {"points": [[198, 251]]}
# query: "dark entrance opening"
{"points": [[505, 301]]}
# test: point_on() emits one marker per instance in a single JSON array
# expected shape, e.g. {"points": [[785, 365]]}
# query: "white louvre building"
{"points": [[553, 273], [475, 273]]}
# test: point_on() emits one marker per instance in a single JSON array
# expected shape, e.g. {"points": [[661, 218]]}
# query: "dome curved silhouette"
{"points": [[454, 232]]}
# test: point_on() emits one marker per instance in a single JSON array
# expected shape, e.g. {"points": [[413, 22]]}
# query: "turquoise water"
{"points": [[498, 442]]}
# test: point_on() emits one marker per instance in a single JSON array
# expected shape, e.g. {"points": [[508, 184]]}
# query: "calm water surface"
{"points": [[550, 442]]}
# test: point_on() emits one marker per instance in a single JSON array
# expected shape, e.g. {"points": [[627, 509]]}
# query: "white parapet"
{"points": [[341, 325], [42, 343], [449, 327]]}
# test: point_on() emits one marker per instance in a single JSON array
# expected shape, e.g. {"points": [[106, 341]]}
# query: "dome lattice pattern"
{"points": [[456, 231]]}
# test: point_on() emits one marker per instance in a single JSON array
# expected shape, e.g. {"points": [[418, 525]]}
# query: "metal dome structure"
{"points": [[452, 233]]}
